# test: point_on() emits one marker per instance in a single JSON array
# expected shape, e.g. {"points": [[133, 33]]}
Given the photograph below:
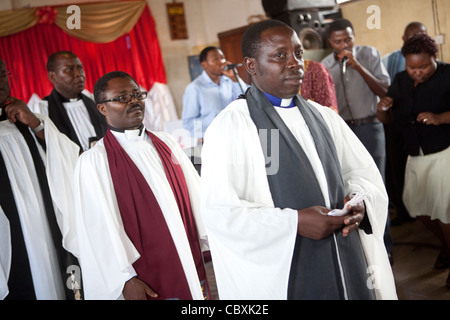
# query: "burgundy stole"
{"points": [[159, 265]]}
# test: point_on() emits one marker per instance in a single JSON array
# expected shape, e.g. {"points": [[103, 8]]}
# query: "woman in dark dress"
{"points": [[418, 101]]}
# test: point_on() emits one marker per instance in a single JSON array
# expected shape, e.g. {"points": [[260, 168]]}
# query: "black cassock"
{"points": [[58, 114]]}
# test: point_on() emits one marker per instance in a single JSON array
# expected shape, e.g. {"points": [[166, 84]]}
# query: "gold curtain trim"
{"points": [[100, 22], [13, 21]]}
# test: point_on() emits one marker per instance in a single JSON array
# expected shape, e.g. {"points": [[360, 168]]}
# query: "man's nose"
{"points": [[78, 72], [295, 62], [133, 97]]}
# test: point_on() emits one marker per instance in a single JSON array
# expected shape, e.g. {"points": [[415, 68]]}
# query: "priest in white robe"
{"points": [[137, 206], [36, 172], [273, 166]]}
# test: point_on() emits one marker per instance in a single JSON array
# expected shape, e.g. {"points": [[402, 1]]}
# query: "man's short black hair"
{"points": [[52, 61], [102, 84], [204, 53], [338, 25], [251, 43]]}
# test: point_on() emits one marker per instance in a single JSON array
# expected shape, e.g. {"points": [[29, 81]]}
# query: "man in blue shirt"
{"points": [[210, 92]]}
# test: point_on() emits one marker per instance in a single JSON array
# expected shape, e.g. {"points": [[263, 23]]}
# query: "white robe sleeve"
{"points": [[251, 241], [5, 254], [60, 160], [38, 106], [105, 251], [360, 174]]}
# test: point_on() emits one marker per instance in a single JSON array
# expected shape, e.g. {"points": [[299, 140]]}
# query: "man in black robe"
{"points": [[73, 113], [38, 263]]}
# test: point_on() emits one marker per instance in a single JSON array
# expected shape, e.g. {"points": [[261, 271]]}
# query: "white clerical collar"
{"points": [[132, 133], [279, 102], [73, 103], [286, 103], [129, 134]]}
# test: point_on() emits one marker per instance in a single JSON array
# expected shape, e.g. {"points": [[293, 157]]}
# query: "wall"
{"points": [[395, 15], [204, 19]]}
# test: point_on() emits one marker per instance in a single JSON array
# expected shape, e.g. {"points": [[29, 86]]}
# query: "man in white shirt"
{"points": [[274, 166]]}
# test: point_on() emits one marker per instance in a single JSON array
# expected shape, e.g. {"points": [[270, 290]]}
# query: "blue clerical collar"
{"points": [[278, 102]]}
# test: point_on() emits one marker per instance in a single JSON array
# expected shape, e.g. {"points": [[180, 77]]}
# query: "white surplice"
{"points": [[159, 107], [59, 160], [251, 241], [5, 254], [106, 253], [78, 115]]}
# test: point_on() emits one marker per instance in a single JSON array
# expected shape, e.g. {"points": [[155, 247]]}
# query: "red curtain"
{"points": [[26, 53]]}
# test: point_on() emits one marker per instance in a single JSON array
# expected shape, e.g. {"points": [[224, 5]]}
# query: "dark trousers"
{"points": [[373, 138], [395, 170]]}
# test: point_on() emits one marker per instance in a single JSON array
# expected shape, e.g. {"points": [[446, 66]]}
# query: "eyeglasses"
{"points": [[141, 95]]}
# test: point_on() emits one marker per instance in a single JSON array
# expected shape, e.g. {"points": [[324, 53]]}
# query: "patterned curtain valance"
{"points": [[99, 22]]}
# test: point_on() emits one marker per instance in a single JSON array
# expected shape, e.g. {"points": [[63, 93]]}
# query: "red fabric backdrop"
{"points": [[26, 53]]}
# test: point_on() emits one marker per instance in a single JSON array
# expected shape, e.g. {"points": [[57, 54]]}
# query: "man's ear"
{"points": [[52, 77], [250, 65], [102, 109]]}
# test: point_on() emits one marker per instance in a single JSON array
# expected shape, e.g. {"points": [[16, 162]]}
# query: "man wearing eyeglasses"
{"points": [[73, 113], [137, 203]]}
